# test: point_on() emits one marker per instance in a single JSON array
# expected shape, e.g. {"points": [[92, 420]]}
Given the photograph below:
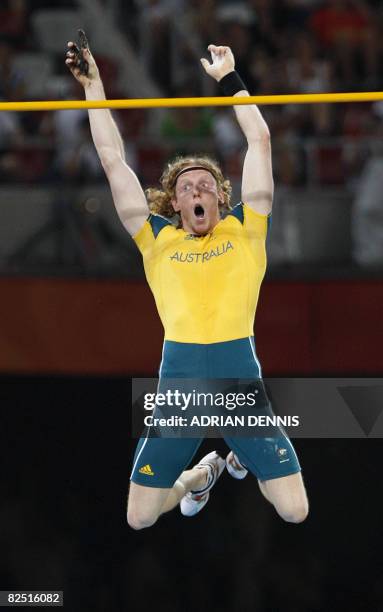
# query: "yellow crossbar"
{"points": [[317, 98]]}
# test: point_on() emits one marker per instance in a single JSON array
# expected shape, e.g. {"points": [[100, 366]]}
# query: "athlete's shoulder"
{"points": [[152, 231], [240, 210], [246, 219], [157, 223], [237, 212]]}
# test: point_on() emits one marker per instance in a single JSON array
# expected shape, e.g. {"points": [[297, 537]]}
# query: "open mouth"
{"points": [[199, 211]]}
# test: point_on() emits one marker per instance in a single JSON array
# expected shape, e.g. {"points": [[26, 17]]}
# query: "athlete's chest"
{"points": [[208, 251], [204, 266]]}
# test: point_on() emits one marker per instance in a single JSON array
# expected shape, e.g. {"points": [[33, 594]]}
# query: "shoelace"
{"points": [[210, 478]]}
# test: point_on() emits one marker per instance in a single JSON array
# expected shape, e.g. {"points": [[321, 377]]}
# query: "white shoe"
{"points": [[194, 501], [235, 467]]}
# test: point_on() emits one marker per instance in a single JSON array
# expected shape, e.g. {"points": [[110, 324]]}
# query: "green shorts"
{"points": [[158, 462]]}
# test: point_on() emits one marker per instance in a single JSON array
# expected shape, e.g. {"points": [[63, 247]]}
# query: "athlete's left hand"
{"points": [[222, 62]]}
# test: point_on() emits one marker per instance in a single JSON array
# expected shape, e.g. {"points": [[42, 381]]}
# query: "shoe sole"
{"points": [[237, 474], [190, 508]]}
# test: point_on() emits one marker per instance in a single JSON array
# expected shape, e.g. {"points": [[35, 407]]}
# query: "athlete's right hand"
{"points": [[73, 58]]}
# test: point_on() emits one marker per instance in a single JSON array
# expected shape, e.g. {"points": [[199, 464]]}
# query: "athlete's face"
{"points": [[196, 199]]}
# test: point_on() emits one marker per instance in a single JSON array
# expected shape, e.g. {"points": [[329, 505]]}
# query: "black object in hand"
{"points": [[83, 40], [81, 63]]}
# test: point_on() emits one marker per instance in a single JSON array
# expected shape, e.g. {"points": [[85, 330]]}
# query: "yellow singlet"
{"points": [[206, 287]]}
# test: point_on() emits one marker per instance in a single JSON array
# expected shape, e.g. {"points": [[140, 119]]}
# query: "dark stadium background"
{"points": [[77, 320], [66, 455]]}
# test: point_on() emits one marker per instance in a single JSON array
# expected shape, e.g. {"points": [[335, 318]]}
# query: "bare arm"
{"points": [[257, 177], [128, 196]]}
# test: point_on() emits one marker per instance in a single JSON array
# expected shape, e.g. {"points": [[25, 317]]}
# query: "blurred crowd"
{"points": [[289, 46], [280, 46]]}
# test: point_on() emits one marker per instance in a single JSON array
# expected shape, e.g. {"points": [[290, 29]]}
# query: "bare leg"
{"points": [[146, 504], [190, 480], [288, 496]]}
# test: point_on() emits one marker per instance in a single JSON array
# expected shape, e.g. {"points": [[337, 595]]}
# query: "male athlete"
{"points": [[205, 275]]}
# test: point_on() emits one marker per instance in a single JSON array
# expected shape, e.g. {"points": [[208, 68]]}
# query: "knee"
{"points": [[140, 520], [296, 513]]}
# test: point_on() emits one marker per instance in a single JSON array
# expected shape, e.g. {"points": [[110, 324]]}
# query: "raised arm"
{"points": [[128, 196], [257, 177]]}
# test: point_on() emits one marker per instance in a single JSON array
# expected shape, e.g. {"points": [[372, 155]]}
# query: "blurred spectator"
{"points": [[293, 14], [81, 162], [180, 124], [11, 135], [13, 20], [307, 73], [367, 217], [346, 30], [202, 18], [263, 76], [183, 123], [76, 158], [266, 22], [367, 220], [238, 36], [11, 81], [338, 21], [288, 160], [227, 135], [64, 130], [11, 128], [110, 75], [155, 23]]}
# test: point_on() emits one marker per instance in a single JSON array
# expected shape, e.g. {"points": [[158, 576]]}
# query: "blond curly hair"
{"points": [[159, 200]]}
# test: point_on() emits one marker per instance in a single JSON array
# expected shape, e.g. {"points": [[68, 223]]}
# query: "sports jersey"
{"points": [[206, 287]]}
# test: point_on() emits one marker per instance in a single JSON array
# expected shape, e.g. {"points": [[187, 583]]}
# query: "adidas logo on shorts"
{"points": [[146, 469]]}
